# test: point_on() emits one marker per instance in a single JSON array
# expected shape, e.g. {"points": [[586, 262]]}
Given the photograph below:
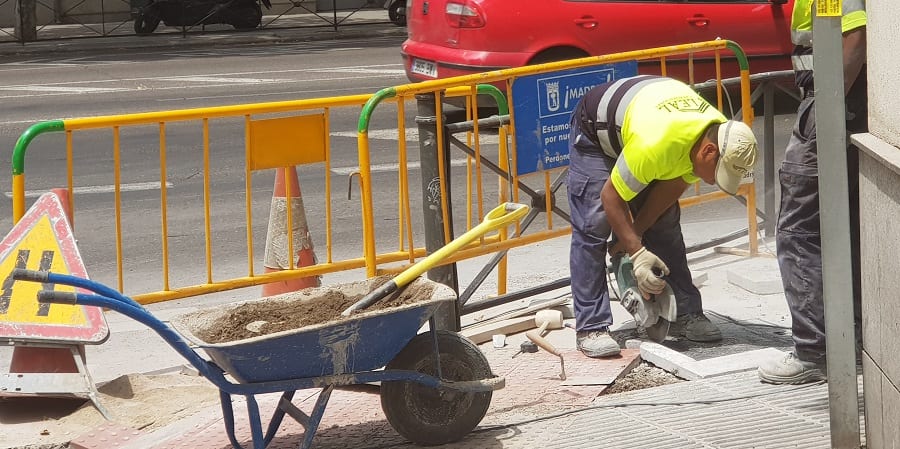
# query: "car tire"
{"points": [[147, 20], [397, 12], [557, 54]]}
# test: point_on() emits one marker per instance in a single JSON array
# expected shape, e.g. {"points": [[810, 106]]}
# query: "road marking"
{"points": [[365, 70], [391, 167], [214, 80], [130, 187], [64, 89], [217, 79]]}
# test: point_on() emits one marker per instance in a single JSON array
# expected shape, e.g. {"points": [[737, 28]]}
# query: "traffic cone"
{"points": [[277, 248], [63, 195], [26, 359]]}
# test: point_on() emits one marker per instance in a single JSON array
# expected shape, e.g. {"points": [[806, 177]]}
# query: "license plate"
{"points": [[423, 67]]}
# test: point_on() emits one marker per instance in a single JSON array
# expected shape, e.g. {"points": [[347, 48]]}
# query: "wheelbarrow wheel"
{"points": [[431, 416]]}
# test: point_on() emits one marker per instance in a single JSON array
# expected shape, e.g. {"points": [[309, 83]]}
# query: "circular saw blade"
{"points": [[658, 332]]}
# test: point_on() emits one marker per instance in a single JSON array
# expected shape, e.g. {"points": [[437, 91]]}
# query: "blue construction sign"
{"points": [[543, 105]]}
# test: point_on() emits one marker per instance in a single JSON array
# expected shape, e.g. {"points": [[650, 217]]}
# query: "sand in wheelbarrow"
{"points": [[313, 306]]}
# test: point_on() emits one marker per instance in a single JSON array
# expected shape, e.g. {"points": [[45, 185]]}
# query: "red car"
{"points": [[458, 37]]}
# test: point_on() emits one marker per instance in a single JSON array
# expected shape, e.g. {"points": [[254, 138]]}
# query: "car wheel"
{"points": [[557, 54], [397, 12], [251, 20], [146, 21]]}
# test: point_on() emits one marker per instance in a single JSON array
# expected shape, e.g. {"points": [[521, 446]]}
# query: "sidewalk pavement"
{"points": [[365, 23], [723, 405]]}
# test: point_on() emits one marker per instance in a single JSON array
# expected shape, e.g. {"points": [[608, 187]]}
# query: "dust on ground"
{"points": [[262, 318], [139, 401], [645, 375]]}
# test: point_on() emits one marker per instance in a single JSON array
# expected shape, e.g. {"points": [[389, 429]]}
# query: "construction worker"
{"points": [[635, 145], [798, 240]]}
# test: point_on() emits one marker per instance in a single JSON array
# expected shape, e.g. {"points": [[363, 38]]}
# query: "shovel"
{"points": [[501, 216]]}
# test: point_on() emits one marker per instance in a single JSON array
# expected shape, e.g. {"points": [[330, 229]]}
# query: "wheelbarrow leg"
{"points": [[316, 417], [277, 417], [255, 422]]}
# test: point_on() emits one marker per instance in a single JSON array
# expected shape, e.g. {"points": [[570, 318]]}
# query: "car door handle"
{"points": [[586, 22], [700, 21]]}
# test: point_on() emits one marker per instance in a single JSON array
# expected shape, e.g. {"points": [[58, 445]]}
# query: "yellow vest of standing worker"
{"points": [[662, 122]]}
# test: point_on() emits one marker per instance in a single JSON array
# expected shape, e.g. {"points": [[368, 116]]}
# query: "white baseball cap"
{"points": [[737, 155]]}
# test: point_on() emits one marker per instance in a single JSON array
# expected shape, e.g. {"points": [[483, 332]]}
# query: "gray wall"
{"points": [[880, 230]]}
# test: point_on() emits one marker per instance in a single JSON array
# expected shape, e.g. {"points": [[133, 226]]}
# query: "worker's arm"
{"points": [[648, 267], [663, 195], [854, 45], [619, 217]]}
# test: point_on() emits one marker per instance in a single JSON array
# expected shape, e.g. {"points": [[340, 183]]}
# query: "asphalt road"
{"points": [[35, 89]]}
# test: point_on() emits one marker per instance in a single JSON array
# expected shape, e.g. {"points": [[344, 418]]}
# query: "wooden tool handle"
{"points": [[535, 337]]}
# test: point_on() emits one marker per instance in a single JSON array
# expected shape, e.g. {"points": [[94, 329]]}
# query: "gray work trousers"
{"points": [[798, 240], [588, 171]]}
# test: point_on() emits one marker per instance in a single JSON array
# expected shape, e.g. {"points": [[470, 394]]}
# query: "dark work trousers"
{"points": [[798, 240], [588, 171]]}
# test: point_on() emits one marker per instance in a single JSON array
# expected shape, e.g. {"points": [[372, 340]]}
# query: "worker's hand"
{"points": [[645, 263]]}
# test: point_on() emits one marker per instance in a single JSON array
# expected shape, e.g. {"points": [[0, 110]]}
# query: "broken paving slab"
{"points": [[690, 369]]}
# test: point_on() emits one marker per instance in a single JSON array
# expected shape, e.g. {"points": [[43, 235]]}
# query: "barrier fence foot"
{"points": [[277, 248]]}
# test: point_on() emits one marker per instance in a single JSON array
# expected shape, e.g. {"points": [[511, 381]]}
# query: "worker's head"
{"points": [[725, 154]]}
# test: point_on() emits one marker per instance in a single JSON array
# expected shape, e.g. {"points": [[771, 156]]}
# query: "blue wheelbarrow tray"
{"points": [[362, 342]]}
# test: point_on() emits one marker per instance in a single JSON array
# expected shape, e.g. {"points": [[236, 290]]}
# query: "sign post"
{"points": [[48, 339]]}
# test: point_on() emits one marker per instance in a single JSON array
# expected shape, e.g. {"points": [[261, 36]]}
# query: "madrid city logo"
{"points": [[552, 96]]}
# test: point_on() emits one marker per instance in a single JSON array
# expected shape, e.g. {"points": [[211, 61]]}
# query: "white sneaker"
{"points": [[596, 344], [791, 370]]}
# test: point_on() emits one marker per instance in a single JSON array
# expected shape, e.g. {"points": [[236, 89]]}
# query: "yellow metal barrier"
{"points": [[270, 132], [506, 159]]}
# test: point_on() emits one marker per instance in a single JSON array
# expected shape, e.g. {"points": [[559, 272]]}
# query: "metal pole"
{"points": [[26, 20], [426, 118], [769, 157], [834, 215]]}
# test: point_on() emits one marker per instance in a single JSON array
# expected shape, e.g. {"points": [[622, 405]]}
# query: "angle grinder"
{"points": [[654, 315]]}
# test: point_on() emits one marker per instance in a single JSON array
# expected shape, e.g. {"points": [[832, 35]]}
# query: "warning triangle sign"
{"points": [[42, 240]]}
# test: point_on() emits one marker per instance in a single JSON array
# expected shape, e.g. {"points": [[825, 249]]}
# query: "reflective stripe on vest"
{"points": [[612, 107], [802, 62]]}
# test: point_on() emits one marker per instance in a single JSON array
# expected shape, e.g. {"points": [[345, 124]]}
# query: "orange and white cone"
{"points": [[277, 257]]}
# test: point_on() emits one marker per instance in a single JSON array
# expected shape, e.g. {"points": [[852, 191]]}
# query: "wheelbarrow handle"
{"points": [[48, 277], [55, 297], [21, 274], [500, 216]]}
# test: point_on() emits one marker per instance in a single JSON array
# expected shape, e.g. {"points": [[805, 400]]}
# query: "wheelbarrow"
{"points": [[436, 386]]}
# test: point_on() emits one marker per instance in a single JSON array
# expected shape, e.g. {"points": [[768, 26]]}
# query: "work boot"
{"points": [[596, 344], [791, 370], [695, 327]]}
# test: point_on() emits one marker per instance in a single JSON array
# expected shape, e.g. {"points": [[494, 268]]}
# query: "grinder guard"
{"points": [[654, 315]]}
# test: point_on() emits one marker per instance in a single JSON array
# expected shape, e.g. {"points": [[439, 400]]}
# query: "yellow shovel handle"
{"points": [[500, 216]]}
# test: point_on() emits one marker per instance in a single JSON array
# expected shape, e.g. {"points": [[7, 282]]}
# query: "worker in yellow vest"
{"points": [[798, 238], [635, 145]]}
